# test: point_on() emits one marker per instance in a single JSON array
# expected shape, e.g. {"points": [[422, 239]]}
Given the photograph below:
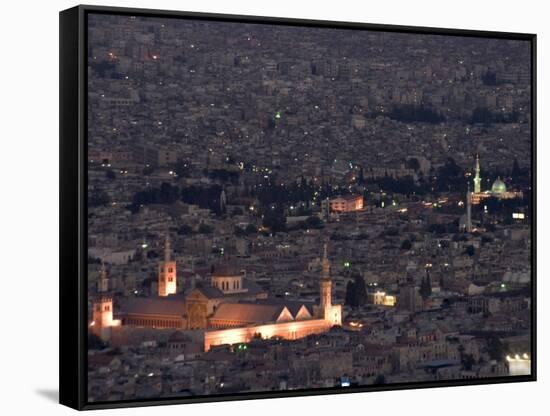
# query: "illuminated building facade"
{"points": [[382, 298], [232, 309], [347, 203], [102, 316], [519, 365], [287, 330], [102, 307]]}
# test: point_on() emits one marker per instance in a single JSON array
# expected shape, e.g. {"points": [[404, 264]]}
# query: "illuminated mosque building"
{"points": [[231, 309], [498, 190]]}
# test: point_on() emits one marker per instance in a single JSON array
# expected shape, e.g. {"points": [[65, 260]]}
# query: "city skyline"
{"points": [[276, 207]]}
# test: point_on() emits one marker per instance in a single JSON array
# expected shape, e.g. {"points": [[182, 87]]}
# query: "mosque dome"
{"points": [[499, 187]]}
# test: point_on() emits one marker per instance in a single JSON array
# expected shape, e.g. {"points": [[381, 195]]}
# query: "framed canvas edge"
{"points": [[72, 276], [73, 208]]}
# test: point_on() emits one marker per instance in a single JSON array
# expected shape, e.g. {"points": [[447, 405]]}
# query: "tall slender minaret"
{"points": [[167, 271], [477, 178], [469, 210], [331, 314], [325, 284], [103, 281], [102, 307]]}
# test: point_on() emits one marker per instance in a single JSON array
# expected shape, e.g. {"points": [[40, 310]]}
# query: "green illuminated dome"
{"points": [[499, 187]]}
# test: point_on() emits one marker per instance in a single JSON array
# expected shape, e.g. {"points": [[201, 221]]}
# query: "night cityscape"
{"points": [[275, 207]]}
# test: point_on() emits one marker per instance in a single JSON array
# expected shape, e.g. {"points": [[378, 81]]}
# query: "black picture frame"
{"points": [[73, 200]]}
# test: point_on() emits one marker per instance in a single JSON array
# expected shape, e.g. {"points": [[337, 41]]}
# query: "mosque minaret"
{"points": [[469, 210], [477, 178], [167, 272]]}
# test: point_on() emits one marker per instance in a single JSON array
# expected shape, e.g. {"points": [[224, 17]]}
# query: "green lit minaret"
{"points": [[477, 178]]}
